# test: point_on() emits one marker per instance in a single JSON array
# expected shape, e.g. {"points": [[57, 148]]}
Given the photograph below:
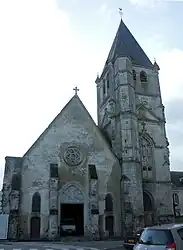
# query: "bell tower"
{"points": [[131, 114]]}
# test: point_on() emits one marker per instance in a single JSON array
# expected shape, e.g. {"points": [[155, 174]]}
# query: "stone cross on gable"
{"points": [[76, 90]]}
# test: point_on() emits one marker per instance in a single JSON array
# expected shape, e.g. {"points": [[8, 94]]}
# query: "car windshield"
{"points": [[156, 237]]}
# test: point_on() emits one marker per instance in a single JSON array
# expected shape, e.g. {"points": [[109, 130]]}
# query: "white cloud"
{"points": [[105, 12], [171, 76], [150, 3], [144, 3], [41, 61], [171, 81]]}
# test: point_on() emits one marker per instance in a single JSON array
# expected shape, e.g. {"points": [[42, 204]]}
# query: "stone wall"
{"points": [[73, 142], [11, 194]]}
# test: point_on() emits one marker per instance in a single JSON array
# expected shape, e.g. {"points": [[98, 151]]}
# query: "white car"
{"points": [[68, 227], [161, 237]]}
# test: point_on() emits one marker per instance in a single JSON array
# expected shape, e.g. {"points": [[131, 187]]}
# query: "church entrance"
{"points": [[72, 219], [148, 209], [35, 228]]}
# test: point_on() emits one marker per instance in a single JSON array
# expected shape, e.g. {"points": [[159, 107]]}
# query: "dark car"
{"points": [[130, 242]]}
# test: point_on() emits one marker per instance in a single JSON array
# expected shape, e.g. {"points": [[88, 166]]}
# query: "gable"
{"points": [[145, 114], [73, 123]]}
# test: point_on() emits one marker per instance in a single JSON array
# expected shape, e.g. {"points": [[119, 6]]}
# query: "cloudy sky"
{"points": [[47, 47]]}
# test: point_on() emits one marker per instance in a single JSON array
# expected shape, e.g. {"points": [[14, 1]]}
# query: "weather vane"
{"points": [[121, 12]]}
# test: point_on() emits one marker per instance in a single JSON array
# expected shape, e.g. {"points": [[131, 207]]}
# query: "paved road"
{"points": [[61, 246]]}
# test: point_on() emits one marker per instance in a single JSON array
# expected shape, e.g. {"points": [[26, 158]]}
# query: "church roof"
{"points": [[177, 178], [125, 44]]}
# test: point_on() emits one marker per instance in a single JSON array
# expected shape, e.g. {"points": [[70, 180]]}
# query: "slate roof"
{"points": [[175, 178], [125, 44]]}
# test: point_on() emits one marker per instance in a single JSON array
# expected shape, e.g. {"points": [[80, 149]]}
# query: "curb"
{"points": [[112, 248]]}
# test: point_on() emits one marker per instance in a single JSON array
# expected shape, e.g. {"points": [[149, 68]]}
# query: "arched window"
{"points": [[108, 203], [36, 203], [147, 202], [134, 75], [143, 76], [146, 153], [16, 182], [175, 198]]}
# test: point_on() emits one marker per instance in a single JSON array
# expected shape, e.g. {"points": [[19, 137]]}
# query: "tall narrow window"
{"points": [[104, 89], [16, 182], [36, 203], [107, 78], [54, 170], [143, 76], [175, 198]]}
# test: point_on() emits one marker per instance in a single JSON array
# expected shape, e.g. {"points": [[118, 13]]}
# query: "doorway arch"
{"points": [[148, 209], [72, 207]]}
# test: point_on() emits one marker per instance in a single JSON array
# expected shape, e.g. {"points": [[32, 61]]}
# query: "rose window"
{"points": [[72, 156]]}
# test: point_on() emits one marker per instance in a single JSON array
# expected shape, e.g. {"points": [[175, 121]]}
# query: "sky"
{"points": [[47, 47]]}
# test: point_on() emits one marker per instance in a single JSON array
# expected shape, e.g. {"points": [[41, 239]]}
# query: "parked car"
{"points": [[161, 237], [130, 242], [68, 227]]}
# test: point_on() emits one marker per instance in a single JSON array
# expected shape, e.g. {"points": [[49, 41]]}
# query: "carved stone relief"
{"points": [[166, 156], [125, 100], [53, 184], [53, 200], [13, 227], [53, 228], [14, 200], [72, 194], [37, 183], [93, 190]]}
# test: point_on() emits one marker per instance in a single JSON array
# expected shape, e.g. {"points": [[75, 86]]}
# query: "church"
{"points": [[106, 180]]}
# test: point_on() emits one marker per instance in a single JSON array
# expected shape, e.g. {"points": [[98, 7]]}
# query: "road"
{"points": [[61, 246]]}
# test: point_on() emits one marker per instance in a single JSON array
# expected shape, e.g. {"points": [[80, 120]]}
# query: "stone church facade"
{"points": [[110, 179]]}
